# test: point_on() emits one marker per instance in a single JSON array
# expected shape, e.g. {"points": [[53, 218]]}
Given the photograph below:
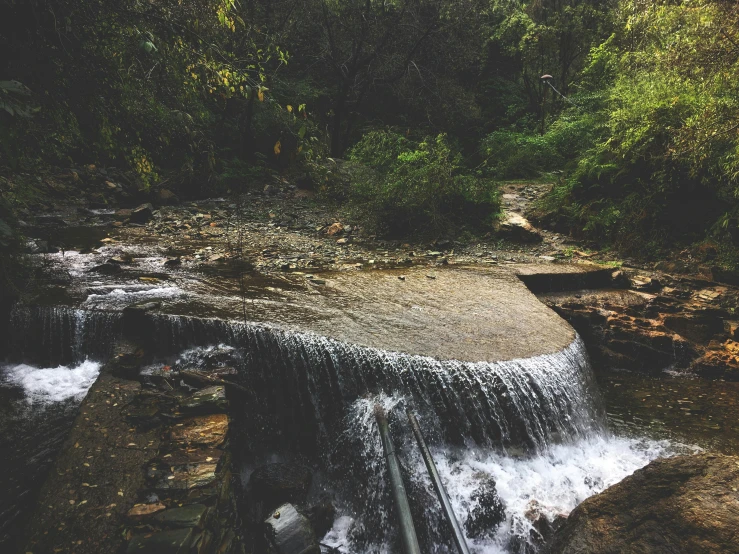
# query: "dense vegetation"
{"points": [[432, 102]]}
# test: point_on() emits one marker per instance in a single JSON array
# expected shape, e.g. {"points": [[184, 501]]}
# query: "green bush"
{"points": [[418, 186], [515, 155]]}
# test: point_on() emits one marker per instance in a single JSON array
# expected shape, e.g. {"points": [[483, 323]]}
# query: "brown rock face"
{"points": [[685, 504], [685, 323]]}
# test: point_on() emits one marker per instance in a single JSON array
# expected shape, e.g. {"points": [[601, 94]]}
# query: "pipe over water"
{"points": [[407, 530], [446, 505]]}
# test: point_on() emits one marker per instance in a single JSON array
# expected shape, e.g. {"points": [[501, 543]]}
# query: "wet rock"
{"points": [[719, 363], [274, 484], [127, 364], [142, 214], [40, 247], [184, 470], [541, 531], [122, 259], [290, 532], [206, 431], [174, 541], [695, 327], [144, 411], [143, 511], [488, 513], [106, 269], [682, 504], [206, 401], [191, 515], [137, 325], [517, 227], [619, 279], [173, 262], [645, 283], [722, 275], [676, 266]]}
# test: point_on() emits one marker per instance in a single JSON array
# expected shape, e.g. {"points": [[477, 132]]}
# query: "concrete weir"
{"points": [[466, 314], [136, 458]]}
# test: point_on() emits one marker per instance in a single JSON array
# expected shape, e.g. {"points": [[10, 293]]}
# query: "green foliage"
{"points": [[514, 155], [418, 186], [151, 87], [663, 164]]}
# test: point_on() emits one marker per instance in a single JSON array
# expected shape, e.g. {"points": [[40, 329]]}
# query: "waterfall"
{"points": [[309, 380], [532, 427], [59, 335], [306, 383]]}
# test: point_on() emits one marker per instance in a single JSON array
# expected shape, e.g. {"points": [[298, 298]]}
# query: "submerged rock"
{"points": [[485, 517], [682, 504]]}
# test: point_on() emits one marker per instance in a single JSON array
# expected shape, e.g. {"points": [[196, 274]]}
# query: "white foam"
{"points": [[555, 481], [122, 296], [49, 385]]}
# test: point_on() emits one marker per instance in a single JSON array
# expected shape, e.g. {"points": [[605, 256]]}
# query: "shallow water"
{"points": [[679, 408]]}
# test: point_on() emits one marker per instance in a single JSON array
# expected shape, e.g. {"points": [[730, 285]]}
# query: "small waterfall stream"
{"points": [[496, 425]]}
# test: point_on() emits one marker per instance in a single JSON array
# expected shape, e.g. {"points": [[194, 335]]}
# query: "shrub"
{"points": [[418, 186], [514, 155]]}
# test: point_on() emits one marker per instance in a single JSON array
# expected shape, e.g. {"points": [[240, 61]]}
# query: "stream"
{"points": [[519, 443], [532, 437]]}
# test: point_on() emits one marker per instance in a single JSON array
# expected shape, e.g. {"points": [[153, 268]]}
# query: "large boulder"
{"points": [[682, 504], [289, 532], [142, 214], [516, 227]]}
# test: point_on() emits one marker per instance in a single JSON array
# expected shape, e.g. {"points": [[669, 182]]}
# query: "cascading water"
{"points": [[53, 335], [518, 437], [520, 403], [527, 436]]}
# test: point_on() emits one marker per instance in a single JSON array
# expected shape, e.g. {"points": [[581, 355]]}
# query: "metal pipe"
{"points": [[407, 530], [446, 505]]}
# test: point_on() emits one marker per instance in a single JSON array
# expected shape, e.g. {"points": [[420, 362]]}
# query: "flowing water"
{"points": [[529, 435]]}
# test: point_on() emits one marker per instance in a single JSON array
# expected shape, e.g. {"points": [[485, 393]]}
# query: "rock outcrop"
{"points": [[684, 504], [659, 321]]}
